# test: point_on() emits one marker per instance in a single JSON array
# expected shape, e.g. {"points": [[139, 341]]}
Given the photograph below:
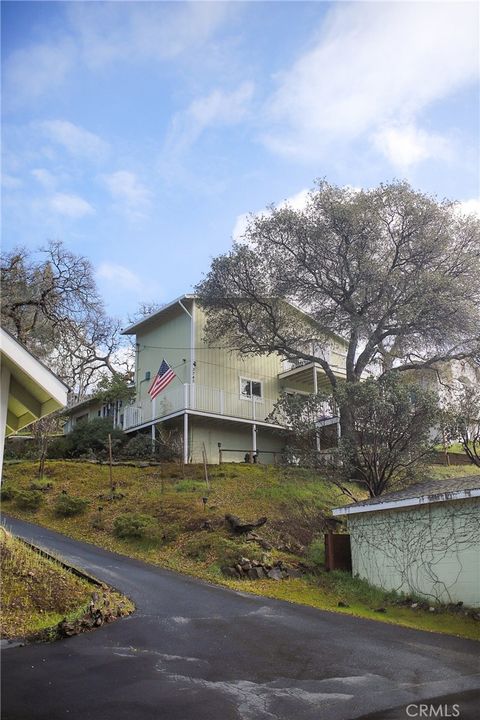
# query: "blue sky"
{"points": [[142, 133]]}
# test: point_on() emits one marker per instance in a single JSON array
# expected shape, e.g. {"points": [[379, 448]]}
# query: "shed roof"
{"points": [[430, 491]]}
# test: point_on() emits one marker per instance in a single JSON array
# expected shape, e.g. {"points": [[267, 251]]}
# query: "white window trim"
{"points": [[249, 397]]}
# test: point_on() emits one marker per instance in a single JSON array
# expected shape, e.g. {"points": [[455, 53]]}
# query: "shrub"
{"points": [[92, 437], [28, 499], [58, 448], [138, 447], [67, 505], [42, 485], [7, 493], [132, 525]]}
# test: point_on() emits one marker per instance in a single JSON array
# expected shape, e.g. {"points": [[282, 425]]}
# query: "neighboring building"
{"points": [[91, 408], [424, 540], [29, 390], [446, 379], [217, 398]]}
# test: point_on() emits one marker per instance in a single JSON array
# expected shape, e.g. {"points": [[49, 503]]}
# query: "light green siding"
{"points": [[430, 550], [232, 436], [169, 339], [218, 368]]}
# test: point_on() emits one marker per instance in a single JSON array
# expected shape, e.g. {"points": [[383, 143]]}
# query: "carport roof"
{"points": [[430, 491], [34, 391]]}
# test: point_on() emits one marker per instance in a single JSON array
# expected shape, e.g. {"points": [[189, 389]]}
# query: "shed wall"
{"points": [[430, 550]]}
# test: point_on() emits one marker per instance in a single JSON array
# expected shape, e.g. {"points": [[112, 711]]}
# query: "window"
{"points": [[250, 388]]}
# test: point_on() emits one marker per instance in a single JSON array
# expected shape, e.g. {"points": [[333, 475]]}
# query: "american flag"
{"points": [[164, 376]]}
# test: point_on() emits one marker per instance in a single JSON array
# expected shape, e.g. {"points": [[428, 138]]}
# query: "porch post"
{"points": [[315, 390], [185, 439], [153, 438]]}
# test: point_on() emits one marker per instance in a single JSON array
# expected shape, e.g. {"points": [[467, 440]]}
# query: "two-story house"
{"points": [[218, 399]]}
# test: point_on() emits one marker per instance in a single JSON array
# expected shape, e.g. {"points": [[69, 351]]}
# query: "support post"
{"points": [[220, 454], [315, 390], [153, 439], [5, 390], [185, 439], [254, 441]]}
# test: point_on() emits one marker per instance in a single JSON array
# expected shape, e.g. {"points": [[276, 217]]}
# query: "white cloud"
{"points": [[159, 31], [72, 206], [127, 190], [120, 276], [407, 145], [45, 178], [373, 64], [38, 69], [296, 202], [470, 207], [74, 139], [218, 108]]}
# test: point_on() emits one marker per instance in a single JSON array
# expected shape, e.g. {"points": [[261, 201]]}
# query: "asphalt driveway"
{"points": [[193, 651]]}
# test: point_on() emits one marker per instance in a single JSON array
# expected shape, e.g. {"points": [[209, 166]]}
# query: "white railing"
{"points": [[197, 397]]}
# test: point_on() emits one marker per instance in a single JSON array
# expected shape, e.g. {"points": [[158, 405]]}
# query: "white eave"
{"points": [[131, 329], [34, 390], [357, 509]]}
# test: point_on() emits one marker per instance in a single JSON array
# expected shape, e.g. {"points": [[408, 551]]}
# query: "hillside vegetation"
{"points": [[169, 516], [38, 593]]}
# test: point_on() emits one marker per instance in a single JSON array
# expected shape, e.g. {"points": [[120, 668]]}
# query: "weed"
{"points": [[189, 486], [67, 505], [42, 485], [132, 525], [7, 493], [28, 499]]}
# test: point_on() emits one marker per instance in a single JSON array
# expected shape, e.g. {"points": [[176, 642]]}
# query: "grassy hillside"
{"points": [[158, 514], [38, 593]]}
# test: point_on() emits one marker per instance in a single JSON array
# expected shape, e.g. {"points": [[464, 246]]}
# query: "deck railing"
{"points": [[192, 396]]}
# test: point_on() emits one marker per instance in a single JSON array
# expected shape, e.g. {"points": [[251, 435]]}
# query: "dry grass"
{"points": [[36, 592]]}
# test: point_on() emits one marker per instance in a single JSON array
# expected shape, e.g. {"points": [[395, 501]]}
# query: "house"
{"points": [[91, 408], [29, 390], [423, 540], [218, 401]]}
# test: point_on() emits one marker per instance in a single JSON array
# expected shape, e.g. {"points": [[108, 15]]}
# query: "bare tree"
{"points": [[391, 270], [52, 305]]}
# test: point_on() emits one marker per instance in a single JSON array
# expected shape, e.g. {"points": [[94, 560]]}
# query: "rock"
{"points": [[414, 605], [230, 572], [246, 566], [252, 574], [432, 609], [238, 568], [295, 573], [341, 603], [275, 573], [243, 560], [265, 544], [380, 610]]}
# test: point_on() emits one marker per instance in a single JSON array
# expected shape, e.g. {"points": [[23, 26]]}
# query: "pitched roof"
{"points": [[429, 491]]}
